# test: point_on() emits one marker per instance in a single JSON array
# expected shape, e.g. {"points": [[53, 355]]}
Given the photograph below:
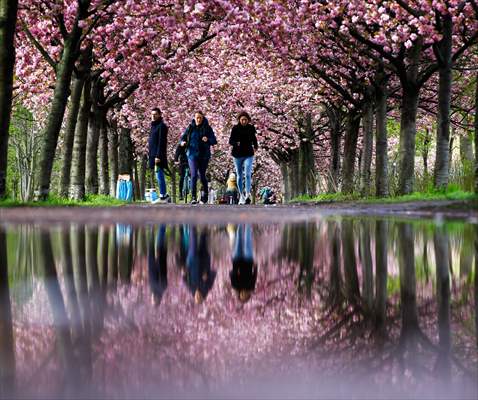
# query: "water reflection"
{"points": [[121, 310]]}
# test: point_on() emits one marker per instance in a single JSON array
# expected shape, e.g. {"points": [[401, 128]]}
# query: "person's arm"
{"points": [[254, 138], [232, 137], [163, 142], [211, 137]]}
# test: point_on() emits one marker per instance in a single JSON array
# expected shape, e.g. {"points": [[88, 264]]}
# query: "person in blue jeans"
{"points": [[198, 139], [244, 271], [157, 264], [243, 141], [158, 146]]}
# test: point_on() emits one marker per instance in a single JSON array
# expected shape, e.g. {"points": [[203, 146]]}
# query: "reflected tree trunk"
{"points": [[112, 276], [367, 290], [125, 251], [71, 296], [7, 347], [352, 290], [335, 282], [381, 240], [103, 242], [442, 253]]}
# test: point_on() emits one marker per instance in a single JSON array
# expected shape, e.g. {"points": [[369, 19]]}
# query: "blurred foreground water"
{"points": [[339, 307]]}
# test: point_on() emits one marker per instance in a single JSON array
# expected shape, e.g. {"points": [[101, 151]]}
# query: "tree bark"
{"points": [[285, 181], [125, 153], [75, 101], [381, 146], [8, 21], [103, 156], [142, 178], [350, 151], [408, 131], [476, 133], [307, 162], [64, 71], [113, 156], [7, 346], [77, 187], [334, 115], [367, 150], [94, 126], [443, 50]]}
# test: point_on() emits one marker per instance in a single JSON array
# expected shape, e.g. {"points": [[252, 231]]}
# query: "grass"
{"points": [[452, 193], [54, 201]]}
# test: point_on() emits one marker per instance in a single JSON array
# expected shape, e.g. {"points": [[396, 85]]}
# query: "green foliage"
{"points": [[54, 201]]}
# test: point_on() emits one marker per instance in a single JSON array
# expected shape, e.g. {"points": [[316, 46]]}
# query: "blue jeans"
{"points": [[161, 180], [243, 242], [244, 166], [198, 166]]}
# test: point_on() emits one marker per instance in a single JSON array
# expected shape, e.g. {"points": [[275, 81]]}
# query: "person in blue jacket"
{"points": [[198, 139], [158, 146]]}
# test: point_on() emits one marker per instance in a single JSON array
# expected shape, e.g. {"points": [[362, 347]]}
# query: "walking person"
{"points": [[181, 160], [198, 139], [158, 143], [243, 141]]}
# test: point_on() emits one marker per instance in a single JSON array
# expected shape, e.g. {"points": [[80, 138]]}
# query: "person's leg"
{"points": [[182, 174], [239, 165], [161, 181], [193, 168], [248, 164], [238, 240], [202, 168], [248, 247]]}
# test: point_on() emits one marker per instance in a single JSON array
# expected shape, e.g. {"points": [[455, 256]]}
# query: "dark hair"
{"points": [[198, 112], [156, 109], [244, 114]]}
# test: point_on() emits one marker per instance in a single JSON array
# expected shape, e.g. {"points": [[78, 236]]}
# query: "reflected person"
{"points": [[157, 264], [199, 275], [244, 271]]}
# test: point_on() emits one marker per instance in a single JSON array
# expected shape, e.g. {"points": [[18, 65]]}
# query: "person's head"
{"points": [[232, 177], [244, 295], [198, 117], [155, 114], [198, 297], [244, 118]]}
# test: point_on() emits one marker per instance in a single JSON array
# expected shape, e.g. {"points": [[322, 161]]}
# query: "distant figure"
{"points": [[244, 271], [199, 276], [243, 141], [158, 144], [232, 192], [198, 139], [157, 264], [181, 159], [267, 195]]}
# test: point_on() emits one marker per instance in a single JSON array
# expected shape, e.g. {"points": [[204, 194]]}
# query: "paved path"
{"points": [[218, 214]]}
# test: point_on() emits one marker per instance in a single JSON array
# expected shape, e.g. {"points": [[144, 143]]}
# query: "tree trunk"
{"points": [[367, 150], [367, 265], [307, 162], [136, 190], [285, 181], [64, 72], [334, 115], [408, 131], [125, 153], [381, 146], [466, 149], [476, 133], [103, 156], [381, 240], [350, 151], [113, 157], [352, 288], [8, 21], [75, 100], [443, 50], [425, 150], [77, 187], [442, 254], [95, 124], [142, 178], [7, 346]]}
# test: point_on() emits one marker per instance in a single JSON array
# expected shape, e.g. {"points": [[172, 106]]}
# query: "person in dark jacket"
{"points": [[157, 264], [198, 139], [181, 159], [244, 271], [243, 141], [199, 275], [158, 142]]}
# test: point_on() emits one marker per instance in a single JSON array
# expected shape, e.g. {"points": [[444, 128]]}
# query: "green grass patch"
{"points": [[452, 193], [54, 201]]}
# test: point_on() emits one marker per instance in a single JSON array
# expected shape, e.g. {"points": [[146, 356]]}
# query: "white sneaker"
{"points": [[242, 199], [248, 198]]}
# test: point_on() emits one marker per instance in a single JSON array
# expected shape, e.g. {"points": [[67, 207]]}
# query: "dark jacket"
{"points": [[180, 155], [195, 147], [243, 140], [244, 274], [158, 143], [157, 268]]}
